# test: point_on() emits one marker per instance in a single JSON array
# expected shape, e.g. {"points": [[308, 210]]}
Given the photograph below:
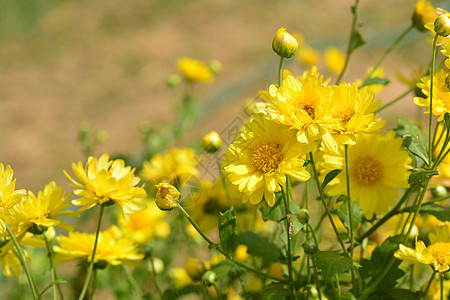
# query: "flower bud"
{"points": [[209, 278], [166, 196], [212, 142], [215, 66], [284, 44], [447, 275], [424, 13], [173, 80], [195, 269], [309, 247], [438, 191], [442, 24], [303, 216]]}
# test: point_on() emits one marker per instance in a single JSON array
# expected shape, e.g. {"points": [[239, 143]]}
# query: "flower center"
{"points": [[310, 110], [266, 157], [343, 117], [368, 170], [440, 251]]}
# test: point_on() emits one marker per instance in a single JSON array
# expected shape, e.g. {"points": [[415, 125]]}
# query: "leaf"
{"points": [[57, 281], [274, 292], [171, 294], [356, 212], [420, 176], [439, 211], [375, 80], [277, 212], [331, 263], [398, 294], [414, 139], [227, 228], [356, 41], [330, 176], [258, 246], [213, 246]]}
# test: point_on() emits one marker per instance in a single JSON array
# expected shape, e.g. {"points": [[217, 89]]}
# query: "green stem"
{"points": [[442, 286], [350, 41], [289, 250], [416, 212], [378, 64], [155, 279], [279, 70], [230, 258], [316, 277], [23, 261], [396, 99], [322, 198], [56, 287], [430, 123], [429, 285], [94, 283], [136, 289], [91, 263], [222, 178]]}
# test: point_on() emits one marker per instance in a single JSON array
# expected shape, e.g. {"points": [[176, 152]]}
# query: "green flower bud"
{"points": [[303, 216], [102, 136], [173, 80], [166, 196], [209, 278], [447, 275], [215, 66], [442, 24], [284, 44], [212, 142], [235, 272], [309, 247], [438, 191]]}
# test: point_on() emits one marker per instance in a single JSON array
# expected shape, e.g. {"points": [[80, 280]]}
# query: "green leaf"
{"points": [[420, 176], [227, 228], [375, 80], [171, 294], [277, 212], [330, 176], [331, 263], [397, 294], [439, 211], [414, 139], [356, 41], [274, 292], [356, 212], [258, 246]]}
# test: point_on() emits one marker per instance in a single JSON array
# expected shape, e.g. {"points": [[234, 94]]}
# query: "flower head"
{"points": [[378, 167], [194, 70], [104, 181], [212, 142], [284, 44], [167, 196], [424, 13], [258, 162], [9, 196], [334, 60], [442, 24]]}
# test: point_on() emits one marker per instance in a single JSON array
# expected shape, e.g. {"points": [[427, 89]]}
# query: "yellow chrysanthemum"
{"points": [[378, 167], [104, 181], [110, 248], [353, 109], [302, 104], [258, 162], [334, 60], [176, 166], [436, 254], [424, 13], [145, 225], [194, 70], [441, 99], [9, 196], [44, 210], [308, 56]]}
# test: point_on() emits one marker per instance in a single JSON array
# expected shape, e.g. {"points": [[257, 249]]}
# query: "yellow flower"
{"points": [[304, 105], [308, 56], [334, 60], [212, 142], [441, 99], [194, 70], [436, 254], [195, 269], [38, 213], [424, 13], [110, 248], [354, 109], [284, 44], [442, 24], [167, 196], [175, 167], [9, 196], [258, 162], [180, 278], [104, 181], [145, 225], [378, 167]]}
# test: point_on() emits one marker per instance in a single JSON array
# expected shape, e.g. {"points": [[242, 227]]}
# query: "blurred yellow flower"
{"points": [[441, 98], [334, 60], [175, 167], [195, 269], [308, 56], [194, 70], [110, 248], [424, 13], [258, 162], [180, 278], [104, 181], [44, 211], [378, 165], [241, 252]]}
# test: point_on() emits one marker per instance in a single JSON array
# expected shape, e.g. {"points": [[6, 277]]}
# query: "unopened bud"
{"points": [[209, 278], [442, 25], [102, 136], [284, 44], [166, 196], [212, 142], [309, 247], [215, 66], [173, 80], [424, 13], [303, 216], [438, 191]]}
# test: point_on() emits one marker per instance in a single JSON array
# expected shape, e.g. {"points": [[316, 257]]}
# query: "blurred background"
{"points": [[106, 62]]}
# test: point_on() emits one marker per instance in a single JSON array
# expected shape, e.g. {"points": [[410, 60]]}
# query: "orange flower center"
{"points": [[343, 117], [440, 251], [310, 110], [367, 170], [266, 157]]}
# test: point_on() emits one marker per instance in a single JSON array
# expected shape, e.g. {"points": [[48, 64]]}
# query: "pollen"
{"points": [[343, 117], [367, 170], [310, 110], [440, 251], [266, 157]]}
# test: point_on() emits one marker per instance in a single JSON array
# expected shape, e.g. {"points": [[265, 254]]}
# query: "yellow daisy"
{"points": [[9, 196], [437, 254], [175, 166], [302, 104], [194, 70], [105, 181], [441, 99], [111, 248], [378, 167], [44, 210], [353, 109], [258, 162]]}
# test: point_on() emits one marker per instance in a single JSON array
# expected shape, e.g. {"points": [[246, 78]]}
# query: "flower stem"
{"points": [[136, 289], [442, 286], [94, 284], [289, 250], [396, 99], [429, 284], [56, 287], [23, 261], [91, 263], [279, 70], [230, 258], [430, 123], [155, 279]]}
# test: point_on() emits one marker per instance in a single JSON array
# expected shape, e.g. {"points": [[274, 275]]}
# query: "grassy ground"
{"points": [[106, 62]]}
